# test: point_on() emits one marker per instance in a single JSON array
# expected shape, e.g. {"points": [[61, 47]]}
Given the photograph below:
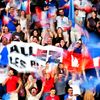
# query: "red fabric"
{"points": [[48, 85], [84, 61], [87, 9], [38, 12], [28, 7], [5, 20], [12, 84], [52, 98]]}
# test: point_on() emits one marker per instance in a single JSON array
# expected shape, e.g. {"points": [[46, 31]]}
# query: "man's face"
{"points": [[70, 91], [33, 91], [10, 73], [52, 92], [61, 12], [12, 10]]}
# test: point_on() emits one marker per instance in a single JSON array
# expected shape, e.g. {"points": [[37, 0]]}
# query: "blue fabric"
{"points": [[6, 97], [45, 95], [4, 56], [11, 25], [61, 3], [94, 51], [65, 97], [71, 13], [92, 44]]}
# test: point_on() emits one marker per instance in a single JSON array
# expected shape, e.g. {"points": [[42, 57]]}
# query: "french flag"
{"points": [[38, 12], [5, 20], [52, 12], [26, 6]]}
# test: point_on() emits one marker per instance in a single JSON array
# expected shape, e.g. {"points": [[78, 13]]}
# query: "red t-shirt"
{"points": [[12, 84], [48, 85], [52, 98]]}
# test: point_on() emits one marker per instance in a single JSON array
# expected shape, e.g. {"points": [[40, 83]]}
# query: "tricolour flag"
{"points": [[26, 6], [5, 20]]}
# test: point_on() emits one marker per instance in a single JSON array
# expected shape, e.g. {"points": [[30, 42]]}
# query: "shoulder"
{"points": [[15, 78], [66, 96]]}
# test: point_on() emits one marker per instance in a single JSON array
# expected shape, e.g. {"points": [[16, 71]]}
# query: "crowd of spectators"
{"points": [[48, 24]]}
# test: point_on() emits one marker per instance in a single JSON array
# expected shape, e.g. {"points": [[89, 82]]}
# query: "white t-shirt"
{"points": [[62, 22], [37, 97], [23, 23]]}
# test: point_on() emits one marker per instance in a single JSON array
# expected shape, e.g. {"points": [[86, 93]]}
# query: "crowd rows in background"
{"points": [[48, 24], [57, 85]]}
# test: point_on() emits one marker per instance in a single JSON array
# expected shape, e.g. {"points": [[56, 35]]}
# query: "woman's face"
{"points": [[6, 29], [30, 78], [22, 13], [93, 14], [47, 76], [35, 33], [4, 41], [59, 30], [61, 66]]}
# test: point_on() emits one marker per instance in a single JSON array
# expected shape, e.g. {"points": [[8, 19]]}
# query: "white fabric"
{"points": [[23, 23], [37, 97]]}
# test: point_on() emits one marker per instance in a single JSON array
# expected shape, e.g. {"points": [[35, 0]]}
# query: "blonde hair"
{"points": [[89, 95]]}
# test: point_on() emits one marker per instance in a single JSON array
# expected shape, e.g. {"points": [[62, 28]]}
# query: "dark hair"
{"points": [[53, 88], [33, 88], [14, 71]]}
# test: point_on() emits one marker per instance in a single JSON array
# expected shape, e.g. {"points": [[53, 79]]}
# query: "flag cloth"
{"points": [[72, 60], [77, 62], [4, 57], [38, 12], [5, 20], [71, 13], [26, 6]]}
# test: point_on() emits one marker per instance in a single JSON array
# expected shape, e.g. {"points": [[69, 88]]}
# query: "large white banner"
{"points": [[24, 56]]}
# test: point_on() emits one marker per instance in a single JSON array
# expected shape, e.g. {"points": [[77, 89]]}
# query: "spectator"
{"points": [[64, 23], [18, 34], [57, 36], [45, 36], [52, 95], [63, 44], [89, 95], [11, 85], [60, 84], [7, 34], [60, 69], [75, 84], [49, 83], [70, 95], [23, 20], [92, 21], [35, 33], [13, 21], [31, 82], [33, 93]]}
